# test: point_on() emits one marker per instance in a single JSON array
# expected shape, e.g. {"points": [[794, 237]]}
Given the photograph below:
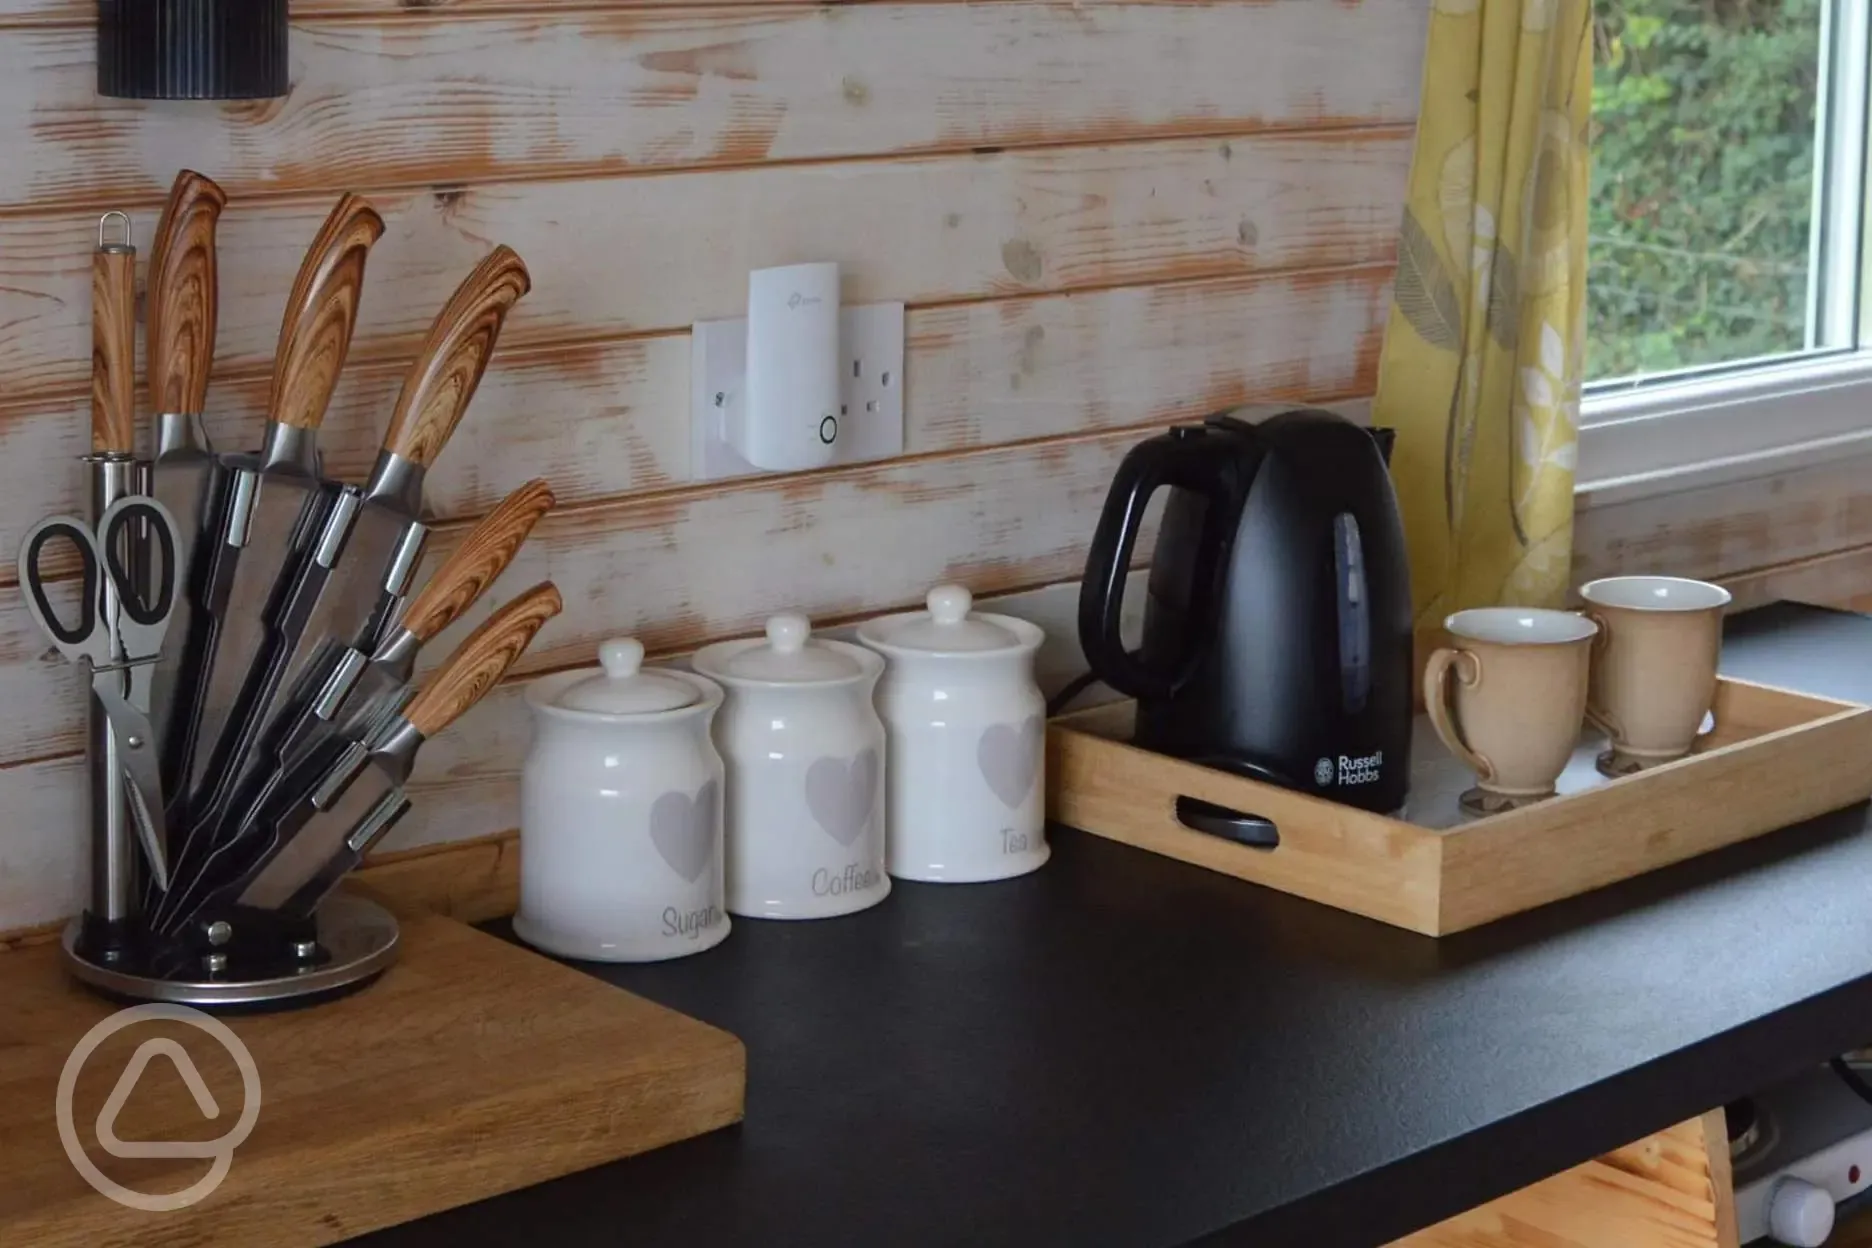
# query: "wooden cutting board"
{"points": [[471, 1068]]}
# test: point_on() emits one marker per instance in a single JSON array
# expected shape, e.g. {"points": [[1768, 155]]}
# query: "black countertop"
{"points": [[1126, 1050]]}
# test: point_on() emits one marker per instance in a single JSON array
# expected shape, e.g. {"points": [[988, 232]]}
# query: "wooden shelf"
{"points": [[1669, 1190]]}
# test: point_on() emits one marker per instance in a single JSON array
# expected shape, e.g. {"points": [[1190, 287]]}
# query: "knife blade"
{"points": [[345, 685], [344, 797], [275, 500], [366, 538], [344, 689], [183, 312]]}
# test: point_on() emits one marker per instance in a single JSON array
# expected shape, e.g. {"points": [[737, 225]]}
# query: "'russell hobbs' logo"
{"points": [[1349, 770]]}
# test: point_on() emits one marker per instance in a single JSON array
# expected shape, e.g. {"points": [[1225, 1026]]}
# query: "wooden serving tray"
{"points": [[471, 1068], [1773, 758]]}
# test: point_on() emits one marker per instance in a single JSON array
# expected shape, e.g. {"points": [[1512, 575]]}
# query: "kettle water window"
{"points": [[1354, 613]]}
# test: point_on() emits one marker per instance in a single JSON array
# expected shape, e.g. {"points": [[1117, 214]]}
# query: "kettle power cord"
{"points": [[1073, 688]]}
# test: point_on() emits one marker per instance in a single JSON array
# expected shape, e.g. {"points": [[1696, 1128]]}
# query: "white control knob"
{"points": [[1800, 1215]]}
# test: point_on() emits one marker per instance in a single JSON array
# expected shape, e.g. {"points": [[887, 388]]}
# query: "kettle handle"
{"points": [[1186, 459]]}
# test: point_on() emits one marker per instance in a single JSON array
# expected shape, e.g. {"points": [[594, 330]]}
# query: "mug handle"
{"points": [[1468, 667], [1598, 716]]}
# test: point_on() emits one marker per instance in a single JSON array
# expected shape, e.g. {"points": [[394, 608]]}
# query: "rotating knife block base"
{"points": [[355, 940]]}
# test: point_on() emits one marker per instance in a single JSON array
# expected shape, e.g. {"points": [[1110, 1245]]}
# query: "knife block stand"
{"points": [[258, 961], [347, 943]]}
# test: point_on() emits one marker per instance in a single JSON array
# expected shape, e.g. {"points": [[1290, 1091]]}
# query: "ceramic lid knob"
{"points": [[790, 655], [621, 657], [787, 633], [949, 604], [623, 687], [948, 628]]}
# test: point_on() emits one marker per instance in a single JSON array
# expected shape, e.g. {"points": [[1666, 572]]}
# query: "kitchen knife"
{"points": [[275, 500], [345, 686], [386, 539], [342, 800], [182, 312], [369, 541]]}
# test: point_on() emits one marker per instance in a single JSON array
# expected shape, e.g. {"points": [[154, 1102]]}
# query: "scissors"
{"points": [[125, 601]]}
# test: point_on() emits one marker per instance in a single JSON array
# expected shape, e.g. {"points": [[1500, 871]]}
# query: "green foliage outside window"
{"points": [[1702, 181]]}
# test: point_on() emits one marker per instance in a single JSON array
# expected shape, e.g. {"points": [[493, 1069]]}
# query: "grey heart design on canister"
{"points": [[683, 830], [1009, 756], [841, 794]]}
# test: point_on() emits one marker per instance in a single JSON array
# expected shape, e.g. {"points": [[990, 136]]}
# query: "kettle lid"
{"points": [[947, 627], [623, 687], [789, 655]]}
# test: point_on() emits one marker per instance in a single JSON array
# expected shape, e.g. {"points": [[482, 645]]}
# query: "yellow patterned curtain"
{"points": [[1482, 359]]}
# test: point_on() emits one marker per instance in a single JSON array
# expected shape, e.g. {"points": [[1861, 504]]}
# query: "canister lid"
{"points": [[790, 655], [946, 628], [624, 688]]}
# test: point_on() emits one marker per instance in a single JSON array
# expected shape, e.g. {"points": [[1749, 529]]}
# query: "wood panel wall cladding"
{"points": [[1102, 217]]}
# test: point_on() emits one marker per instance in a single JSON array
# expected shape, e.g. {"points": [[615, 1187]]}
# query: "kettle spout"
{"points": [[1386, 439]]}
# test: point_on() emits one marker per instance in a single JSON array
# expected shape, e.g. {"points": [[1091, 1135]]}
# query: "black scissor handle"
{"points": [[121, 533], [32, 559]]}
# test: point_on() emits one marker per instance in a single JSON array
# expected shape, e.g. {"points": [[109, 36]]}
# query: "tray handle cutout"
{"points": [[1254, 831]]}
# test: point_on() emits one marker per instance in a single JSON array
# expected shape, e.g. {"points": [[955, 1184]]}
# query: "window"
{"points": [[1727, 228]]}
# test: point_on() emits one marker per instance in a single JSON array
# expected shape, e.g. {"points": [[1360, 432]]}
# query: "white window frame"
{"points": [[1661, 435]]}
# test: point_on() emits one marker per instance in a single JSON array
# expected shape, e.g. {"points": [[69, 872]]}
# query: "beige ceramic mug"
{"points": [[1509, 699], [1654, 666]]}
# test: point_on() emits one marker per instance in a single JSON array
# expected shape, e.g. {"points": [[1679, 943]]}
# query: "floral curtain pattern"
{"points": [[1483, 353]]}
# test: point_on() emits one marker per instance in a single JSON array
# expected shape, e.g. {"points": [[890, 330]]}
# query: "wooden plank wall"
{"points": [[1103, 217], [1803, 534]]}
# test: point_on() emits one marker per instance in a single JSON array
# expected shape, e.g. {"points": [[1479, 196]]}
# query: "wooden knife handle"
{"points": [[478, 663], [321, 312], [442, 381], [184, 292], [113, 344], [483, 556]]}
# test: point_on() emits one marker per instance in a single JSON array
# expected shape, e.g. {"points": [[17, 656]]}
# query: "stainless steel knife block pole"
{"points": [[116, 869]]}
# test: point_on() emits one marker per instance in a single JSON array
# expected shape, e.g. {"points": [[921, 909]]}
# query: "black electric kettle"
{"points": [[1277, 626]]}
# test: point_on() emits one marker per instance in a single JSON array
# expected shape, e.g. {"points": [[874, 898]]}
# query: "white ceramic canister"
{"points": [[806, 772], [621, 813], [967, 731]]}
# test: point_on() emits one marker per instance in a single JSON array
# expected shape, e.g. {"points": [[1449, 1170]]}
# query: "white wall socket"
{"points": [[871, 355]]}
